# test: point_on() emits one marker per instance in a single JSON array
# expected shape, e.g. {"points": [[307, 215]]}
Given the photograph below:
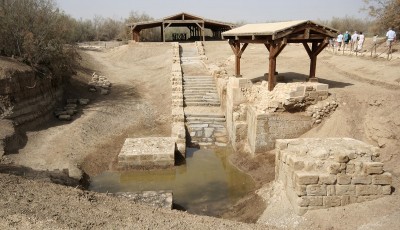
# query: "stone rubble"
{"points": [[100, 84], [70, 109]]}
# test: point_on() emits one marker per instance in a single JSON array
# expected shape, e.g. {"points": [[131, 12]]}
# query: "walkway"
{"points": [[204, 118]]}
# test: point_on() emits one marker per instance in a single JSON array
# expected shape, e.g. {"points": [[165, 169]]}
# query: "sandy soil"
{"points": [[139, 105]]}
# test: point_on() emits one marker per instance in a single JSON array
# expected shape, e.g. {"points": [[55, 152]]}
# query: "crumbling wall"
{"points": [[178, 116], [265, 128], [323, 173]]}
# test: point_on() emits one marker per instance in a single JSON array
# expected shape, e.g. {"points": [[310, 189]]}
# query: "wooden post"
{"points": [[274, 50], [313, 60], [203, 32], [235, 45], [313, 53], [163, 32]]}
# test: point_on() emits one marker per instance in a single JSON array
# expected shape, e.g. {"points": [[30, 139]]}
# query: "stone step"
{"points": [[198, 91], [200, 97], [199, 83], [210, 100], [204, 115], [198, 88], [202, 104], [206, 119]]}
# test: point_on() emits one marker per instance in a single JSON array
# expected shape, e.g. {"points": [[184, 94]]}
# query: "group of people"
{"points": [[356, 40]]}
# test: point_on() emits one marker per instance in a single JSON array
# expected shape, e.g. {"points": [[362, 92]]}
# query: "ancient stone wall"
{"points": [[265, 128], [178, 116], [323, 173]]}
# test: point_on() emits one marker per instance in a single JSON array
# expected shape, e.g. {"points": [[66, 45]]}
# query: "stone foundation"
{"points": [[324, 173], [147, 153], [159, 199]]}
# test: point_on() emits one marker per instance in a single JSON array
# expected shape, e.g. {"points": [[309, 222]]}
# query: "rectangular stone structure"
{"points": [[323, 173], [147, 153]]}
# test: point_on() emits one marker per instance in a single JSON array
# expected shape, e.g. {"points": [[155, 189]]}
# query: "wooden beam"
{"points": [[313, 60], [183, 21], [243, 49], [272, 66], [235, 45], [309, 52]]}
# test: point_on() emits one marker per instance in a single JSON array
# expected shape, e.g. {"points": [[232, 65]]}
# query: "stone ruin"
{"points": [[147, 153], [322, 173], [70, 109], [100, 84], [257, 117], [158, 199]]}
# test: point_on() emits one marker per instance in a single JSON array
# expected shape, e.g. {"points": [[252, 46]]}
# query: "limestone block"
{"points": [[373, 167], [330, 190], [366, 190], [83, 101], [361, 179], [316, 190], [305, 201], [345, 190], [343, 179], [322, 87], [332, 201], [383, 179], [386, 190], [64, 117], [301, 190], [208, 132], [361, 199], [350, 169], [342, 158], [327, 179], [334, 168]]}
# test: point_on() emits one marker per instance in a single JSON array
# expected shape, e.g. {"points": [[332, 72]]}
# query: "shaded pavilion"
{"points": [[275, 36], [196, 25]]}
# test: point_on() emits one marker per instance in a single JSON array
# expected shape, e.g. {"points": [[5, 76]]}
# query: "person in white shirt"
{"points": [[391, 36], [339, 41], [354, 39], [361, 39]]}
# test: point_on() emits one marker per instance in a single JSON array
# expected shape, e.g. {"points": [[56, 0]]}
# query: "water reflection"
{"points": [[206, 185]]}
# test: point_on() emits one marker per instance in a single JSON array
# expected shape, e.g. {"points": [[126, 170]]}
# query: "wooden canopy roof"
{"points": [[275, 36], [182, 20]]}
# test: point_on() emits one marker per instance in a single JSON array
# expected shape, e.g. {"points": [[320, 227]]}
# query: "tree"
{"points": [[35, 32], [387, 12]]}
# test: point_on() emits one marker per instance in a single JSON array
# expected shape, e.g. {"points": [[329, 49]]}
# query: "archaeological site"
{"points": [[259, 126]]}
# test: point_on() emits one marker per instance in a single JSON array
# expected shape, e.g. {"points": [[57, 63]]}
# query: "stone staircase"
{"points": [[204, 118]]}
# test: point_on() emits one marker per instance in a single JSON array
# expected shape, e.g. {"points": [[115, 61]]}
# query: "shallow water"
{"points": [[206, 185]]}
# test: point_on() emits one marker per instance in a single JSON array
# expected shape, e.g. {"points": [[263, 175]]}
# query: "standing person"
{"points": [[346, 40], [361, 39], [339, 41], [354, 39], [391, 36]]}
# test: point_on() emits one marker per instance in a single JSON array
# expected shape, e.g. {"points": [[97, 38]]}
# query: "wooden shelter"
{"points": [[275, 36], [196, 25]]}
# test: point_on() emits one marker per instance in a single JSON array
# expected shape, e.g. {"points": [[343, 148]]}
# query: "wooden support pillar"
{"points": [[203, 32], [136, 35], [274, 49], [235, 45], [163, 32], [313, 53]]}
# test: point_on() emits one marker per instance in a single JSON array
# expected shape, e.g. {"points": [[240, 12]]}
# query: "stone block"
{"points": [[332, 201], [322, 87], [342, 158], [301, 190], [350, 169], [316, 190], [343, 179], [361, 199], [147, 152], [334, 168], [361, 179], [303, 178], [306, 201], [386, 190], [330, 190], [327, 179], [373, 167], [383, 179], [342, 190], [366, 190]]}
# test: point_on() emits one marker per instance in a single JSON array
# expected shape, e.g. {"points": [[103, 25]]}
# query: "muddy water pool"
{"points": [[207, 184]]}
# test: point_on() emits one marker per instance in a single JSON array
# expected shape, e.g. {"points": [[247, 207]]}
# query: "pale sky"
{"points": [[250, 11]]}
